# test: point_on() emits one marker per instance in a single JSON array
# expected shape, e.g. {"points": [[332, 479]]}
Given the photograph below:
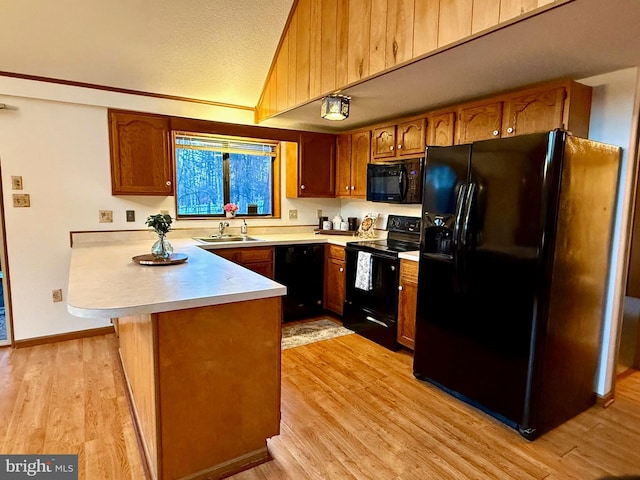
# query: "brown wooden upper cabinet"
{"points": [[140, 154], [560, 105], [311, 169], [440, 129], [352, 156], [479, 122], [393, 141]]}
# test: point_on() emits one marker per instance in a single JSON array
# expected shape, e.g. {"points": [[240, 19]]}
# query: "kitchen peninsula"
{"points": [[200, 349]]}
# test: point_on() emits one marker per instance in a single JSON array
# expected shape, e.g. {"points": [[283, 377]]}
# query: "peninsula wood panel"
{"points": [[454, 21], [231, 352], [329, 41], [377, 36], [139, 359], [486, 14], [359, 28], [425, 26], [399, 42]]}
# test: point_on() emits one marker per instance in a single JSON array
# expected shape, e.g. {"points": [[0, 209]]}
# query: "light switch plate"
{"points": [[293, 214], [105, 216], [16, 182], [21, 200], [131, 215]]}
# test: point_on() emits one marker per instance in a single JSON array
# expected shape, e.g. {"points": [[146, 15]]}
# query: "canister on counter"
{"points": [[321, 221], [353, 223], [327, 225]]}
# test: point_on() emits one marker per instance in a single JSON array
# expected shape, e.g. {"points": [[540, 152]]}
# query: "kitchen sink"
{"points": [[225, 238]]}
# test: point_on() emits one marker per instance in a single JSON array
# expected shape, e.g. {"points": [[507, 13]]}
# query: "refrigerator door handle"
{"points": [[457, 232], [470, 196], [403, 182]]}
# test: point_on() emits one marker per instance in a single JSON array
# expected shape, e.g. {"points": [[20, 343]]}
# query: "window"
{"points": [[213, 170]]}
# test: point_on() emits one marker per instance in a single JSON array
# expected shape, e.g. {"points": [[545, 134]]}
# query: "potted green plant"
{"points": [[161, 224]]}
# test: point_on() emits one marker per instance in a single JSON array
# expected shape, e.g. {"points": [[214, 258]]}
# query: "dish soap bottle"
{"points": [[243, 227]]}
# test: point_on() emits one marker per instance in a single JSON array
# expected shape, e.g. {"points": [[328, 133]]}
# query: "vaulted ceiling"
{"points": [[221, 51], [217, 50]]}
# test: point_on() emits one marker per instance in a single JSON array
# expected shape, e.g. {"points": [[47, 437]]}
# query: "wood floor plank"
{"points": [[350, 410]]}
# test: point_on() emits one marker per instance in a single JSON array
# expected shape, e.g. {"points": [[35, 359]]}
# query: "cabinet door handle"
{"points": [[400, 287], [301, 187], [495, 133], [391, 147], [399, 146], [510, 130], [341, 269], [353, 187], [168, 183]]}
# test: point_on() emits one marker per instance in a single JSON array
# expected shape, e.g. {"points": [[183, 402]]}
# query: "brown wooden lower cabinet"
{"points": [[257, 259], [334, 278], [204, 385], [407, 303]]}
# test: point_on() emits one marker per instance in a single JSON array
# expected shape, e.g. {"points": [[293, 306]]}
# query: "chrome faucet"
{"points": [[221, 228]]}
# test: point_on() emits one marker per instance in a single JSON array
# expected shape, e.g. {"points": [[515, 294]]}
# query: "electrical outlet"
{"points": [[105, 216], [16, 182], [56, 295], [319, 213], [293, 214], [131, 215], [164, 212]]}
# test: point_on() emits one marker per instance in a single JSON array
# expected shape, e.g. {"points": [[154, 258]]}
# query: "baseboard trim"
{"points": [[63, 337], [605, 400]]}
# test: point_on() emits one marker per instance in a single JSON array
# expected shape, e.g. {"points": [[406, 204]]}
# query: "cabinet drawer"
{"points": [[255, 254], [408, 271], [335, 251]]}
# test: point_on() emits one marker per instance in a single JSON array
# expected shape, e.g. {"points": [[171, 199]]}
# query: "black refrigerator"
{"points": [[514, 260]]}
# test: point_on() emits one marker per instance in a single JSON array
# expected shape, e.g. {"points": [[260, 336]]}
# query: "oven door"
{"points": [[373, 313]]}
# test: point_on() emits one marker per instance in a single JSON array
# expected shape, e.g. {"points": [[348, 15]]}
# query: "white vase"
{"points": [[230, 214]]}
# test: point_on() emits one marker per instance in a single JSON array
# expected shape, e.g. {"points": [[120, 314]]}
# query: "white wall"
{"points": [[611, 122], [56, 138]]}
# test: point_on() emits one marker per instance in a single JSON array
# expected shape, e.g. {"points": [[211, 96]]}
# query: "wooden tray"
{"points": [[336, 232], [148, 259]]}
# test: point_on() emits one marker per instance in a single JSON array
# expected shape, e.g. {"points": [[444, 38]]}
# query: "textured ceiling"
{"points": [[217, 50]]}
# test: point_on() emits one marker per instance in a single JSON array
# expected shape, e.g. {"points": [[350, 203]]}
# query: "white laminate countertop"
{"points": [[414, 256], [104, 282]]}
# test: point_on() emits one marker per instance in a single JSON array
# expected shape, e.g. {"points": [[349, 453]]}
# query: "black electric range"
{"points": [[371, 303]]}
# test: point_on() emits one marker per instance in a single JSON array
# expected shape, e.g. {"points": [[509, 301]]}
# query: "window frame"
{"points": [[275, 174]]}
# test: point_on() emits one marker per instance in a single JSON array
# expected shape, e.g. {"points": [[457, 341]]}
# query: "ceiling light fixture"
{"points": [[335, 107]]}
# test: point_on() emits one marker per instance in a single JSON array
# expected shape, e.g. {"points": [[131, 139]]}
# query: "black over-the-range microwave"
{"points": [[395, 182]]}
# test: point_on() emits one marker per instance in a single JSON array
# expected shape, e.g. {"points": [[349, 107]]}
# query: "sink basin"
{"points": [[230, 238]]}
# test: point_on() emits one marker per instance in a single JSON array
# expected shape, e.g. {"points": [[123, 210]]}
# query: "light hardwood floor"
{"points": [[350, 410]]}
